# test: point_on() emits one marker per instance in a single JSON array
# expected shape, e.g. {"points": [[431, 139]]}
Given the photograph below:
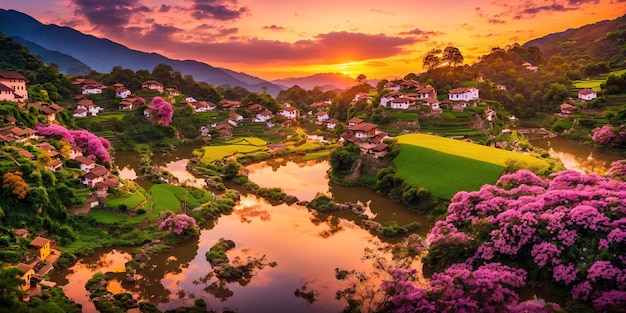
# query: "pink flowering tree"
{"points": [[570, 227], [610, 136], [163, 110], [94, 147], [180, 224]]}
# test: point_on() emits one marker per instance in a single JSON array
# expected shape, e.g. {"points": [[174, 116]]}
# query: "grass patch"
{"points": [[166, 197], [243, 145], [316, 155], [594, 83], [443, 174], [131, 200], [469, 150], [405, 116]]}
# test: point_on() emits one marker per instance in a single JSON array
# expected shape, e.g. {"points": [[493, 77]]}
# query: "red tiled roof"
{"points": [[12, 75], [39, 242]]}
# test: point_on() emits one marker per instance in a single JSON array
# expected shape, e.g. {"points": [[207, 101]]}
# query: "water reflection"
{"points": [[300, 179], [578, 156], [73, 280], [306, 246]]}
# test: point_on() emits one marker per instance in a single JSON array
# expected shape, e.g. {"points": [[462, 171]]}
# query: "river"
{"points": [[578, 156], [305, 245]]}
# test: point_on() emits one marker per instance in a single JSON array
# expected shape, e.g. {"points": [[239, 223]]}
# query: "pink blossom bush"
{"points": [[571, 226], [610, 136], [94, 147], [460, 288], [163, 110], [179, 224]]}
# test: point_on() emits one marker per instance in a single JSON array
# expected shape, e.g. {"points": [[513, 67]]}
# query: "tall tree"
{"points": [[361, 79], [452, 55], [432, 59]]}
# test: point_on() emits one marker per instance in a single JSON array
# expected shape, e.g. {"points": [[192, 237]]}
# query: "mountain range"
{"points": [[77, 53], [328, 81]]}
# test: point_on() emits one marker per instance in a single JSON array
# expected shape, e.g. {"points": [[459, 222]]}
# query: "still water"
{"points": [[578, 156], [305, 245]]}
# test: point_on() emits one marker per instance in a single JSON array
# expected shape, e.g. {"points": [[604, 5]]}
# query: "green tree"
{"points": [[342, 159], [452, 55], [432, 59]]}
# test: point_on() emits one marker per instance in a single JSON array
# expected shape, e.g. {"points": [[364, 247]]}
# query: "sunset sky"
{"points": [[275, 39]]}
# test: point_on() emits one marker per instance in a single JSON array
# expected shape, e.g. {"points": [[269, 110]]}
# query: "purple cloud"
{"points": [[165, 8], [223, 10], [109, 15], [273, 27], [496, 21], [531, 11], [419, 32]]}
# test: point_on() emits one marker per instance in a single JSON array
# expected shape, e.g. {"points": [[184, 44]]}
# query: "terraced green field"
{"points": [[445, 166], [594, 83], [443, 174], [243, 145]]}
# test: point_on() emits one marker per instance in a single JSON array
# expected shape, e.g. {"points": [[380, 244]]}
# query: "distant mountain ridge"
{"points": [[67, 64], [603, 41], [103, 54], [328, 81]]}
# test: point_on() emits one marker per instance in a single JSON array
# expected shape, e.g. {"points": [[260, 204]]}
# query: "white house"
{"points": [[13, 87], [263, 116], [122, 92], [427, 92], [190, 99], [392, 86], [403, 103], [153, 85], [332, 123], [90, 86], [463, 93], [322, 116], [89, 106], [384, 100], [491, 114], [433, 103], [203, 106], [587, 94], [86, 164], [289, 112], [80, 113]]}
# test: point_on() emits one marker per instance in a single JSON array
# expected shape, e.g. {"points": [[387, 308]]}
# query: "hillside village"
{"points": [[125, 115]]}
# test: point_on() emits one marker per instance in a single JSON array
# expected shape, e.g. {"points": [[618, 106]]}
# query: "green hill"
{"points": [[445, 166]]}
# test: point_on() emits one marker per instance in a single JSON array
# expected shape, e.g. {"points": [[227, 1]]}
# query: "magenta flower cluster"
{"points": [[610, 136], [179, 224], [163, 109], [488, 288], [94, 147], [572, 225]]}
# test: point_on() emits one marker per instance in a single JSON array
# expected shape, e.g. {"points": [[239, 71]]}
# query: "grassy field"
{"points": [[238, 145], [405, 116], [165, 197], [468, 150], [130, 200], [445, 166], [441, 173], [594, 83]]}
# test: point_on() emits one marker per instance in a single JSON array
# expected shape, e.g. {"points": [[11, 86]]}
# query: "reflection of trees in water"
{"points": [[276, 163], [333, 222], [246, 213], [218, 286], [106, 260], [591, 165], [150, 287]]}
